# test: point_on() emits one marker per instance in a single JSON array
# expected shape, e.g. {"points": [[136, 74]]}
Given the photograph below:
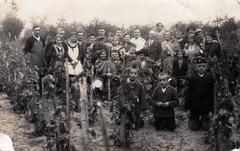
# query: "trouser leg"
{"points": [[194, 121], [159, 123], [205, 121], [170, 123]]}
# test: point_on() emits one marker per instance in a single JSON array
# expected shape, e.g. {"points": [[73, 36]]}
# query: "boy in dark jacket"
{"points": [[164, 99], [200, 97], [135, 96]]}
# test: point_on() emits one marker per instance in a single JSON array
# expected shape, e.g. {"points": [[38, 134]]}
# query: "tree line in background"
{"points": [[12, 26]]}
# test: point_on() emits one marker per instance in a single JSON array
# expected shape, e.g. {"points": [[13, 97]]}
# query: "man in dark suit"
{"points": [[154, 47], [83, 45]]}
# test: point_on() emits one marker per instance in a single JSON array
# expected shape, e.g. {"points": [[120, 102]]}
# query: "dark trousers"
{"points": [[167, 123], [195, 122]]}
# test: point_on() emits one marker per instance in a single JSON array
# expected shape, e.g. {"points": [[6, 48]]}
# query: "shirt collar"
{"points": [[201, 75], [37, 38], [164, 89]]}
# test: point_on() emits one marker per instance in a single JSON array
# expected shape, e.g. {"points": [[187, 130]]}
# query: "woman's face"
{"points": [[73, 38], [127, 38], [167, 35], [58, 41], [209, 39], [110, 38], [103, 55], [115, 42]]}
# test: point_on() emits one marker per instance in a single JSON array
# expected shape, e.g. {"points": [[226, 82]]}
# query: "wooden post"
{"points": [[109, 86], [216, 128], [43, 97], [84, 112], [123, 119], [91, 87], [67, 91], [103, 127]]}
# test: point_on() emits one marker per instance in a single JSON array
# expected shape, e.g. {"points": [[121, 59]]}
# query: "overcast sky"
{"points": [[125, 11]]}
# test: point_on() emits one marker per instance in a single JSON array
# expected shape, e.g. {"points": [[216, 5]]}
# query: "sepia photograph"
{"points": [[119, 75]]}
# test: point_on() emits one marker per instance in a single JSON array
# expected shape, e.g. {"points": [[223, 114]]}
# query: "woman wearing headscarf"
{"points": [[212, 47]]}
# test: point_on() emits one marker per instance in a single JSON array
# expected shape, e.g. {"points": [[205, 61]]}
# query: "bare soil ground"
{"points": [[145, 139]]}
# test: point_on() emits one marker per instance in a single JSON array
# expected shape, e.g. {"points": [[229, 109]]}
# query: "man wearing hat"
{"points": [[199, 38], [200, 97], [159, 32], [98, 46], [144, 65]]}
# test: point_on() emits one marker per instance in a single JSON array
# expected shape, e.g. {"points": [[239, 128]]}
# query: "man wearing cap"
{"points": [[98, 46], [101, 33], [199, 38], [200, 96], [190, 30], [137, 40], [119, 35], [159, 34], [154, 47]]}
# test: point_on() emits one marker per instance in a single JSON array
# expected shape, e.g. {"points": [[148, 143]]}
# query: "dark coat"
{"points": [[170, 95], [29, 43], [127, 46], [155, 50], [180, 72], [212, 49], [95, 52], [200, 95]]}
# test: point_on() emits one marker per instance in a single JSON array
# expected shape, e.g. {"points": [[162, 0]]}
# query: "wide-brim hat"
{"points": [[197, 31], [199, 60], [143, 51]]}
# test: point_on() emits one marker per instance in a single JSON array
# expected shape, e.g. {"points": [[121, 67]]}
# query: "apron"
{"points": [[73, 54], [36, 57]]}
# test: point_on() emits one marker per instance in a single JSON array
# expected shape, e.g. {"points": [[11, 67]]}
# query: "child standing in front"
{"points": [[164, 99]]}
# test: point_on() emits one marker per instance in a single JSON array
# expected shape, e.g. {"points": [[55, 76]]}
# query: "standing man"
{"points": [[82, 45], [154, 47], [101, 33], [159, 35], [35, 45], [119, 35], [190, 30], [137, 40]]}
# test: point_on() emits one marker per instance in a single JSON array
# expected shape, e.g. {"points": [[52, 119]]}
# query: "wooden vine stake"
{"points": [[67, 101], [84, 112], [216, 128], [123, 119], [91, 87], [103, 127]]}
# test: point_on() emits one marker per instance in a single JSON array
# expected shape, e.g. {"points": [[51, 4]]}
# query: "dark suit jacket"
{"points": [[29, 44], [128, 46], [180, 72], [155, 50]]}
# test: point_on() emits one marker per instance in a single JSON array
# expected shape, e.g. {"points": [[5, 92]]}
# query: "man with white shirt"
{"points": [[159, 35], [200, 96], [137, 40]]}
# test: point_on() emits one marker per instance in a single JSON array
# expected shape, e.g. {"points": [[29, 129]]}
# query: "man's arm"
{"points": [[28, 45]]}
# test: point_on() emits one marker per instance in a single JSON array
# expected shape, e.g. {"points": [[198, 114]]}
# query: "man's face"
{"points": [[167, 35], [142, 56], [127, 38], [80, 36], [101, 42], [159, 28], [163, 81], [152, 35], [114, 56], [92, 38], [199, 36], [191, 40], [136, 33], [133, 73], [132, 50], [61, 33], [37, 31], [178, 35], [201, 68], [119, 33], [190, 31], [101, 32], [180, 55]]}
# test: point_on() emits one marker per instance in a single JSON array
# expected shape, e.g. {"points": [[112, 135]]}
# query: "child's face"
{"points": [[114, 56], [103, 55], [163, 80], [132, 50], [190, 40], [110, 38], [92, 38], [178, 35], [133, 73], [58, 41], [115, 42], [180, 55], [201, 67]]}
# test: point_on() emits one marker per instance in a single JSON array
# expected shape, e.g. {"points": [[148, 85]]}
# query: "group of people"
{"points": [[153, 72]]}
